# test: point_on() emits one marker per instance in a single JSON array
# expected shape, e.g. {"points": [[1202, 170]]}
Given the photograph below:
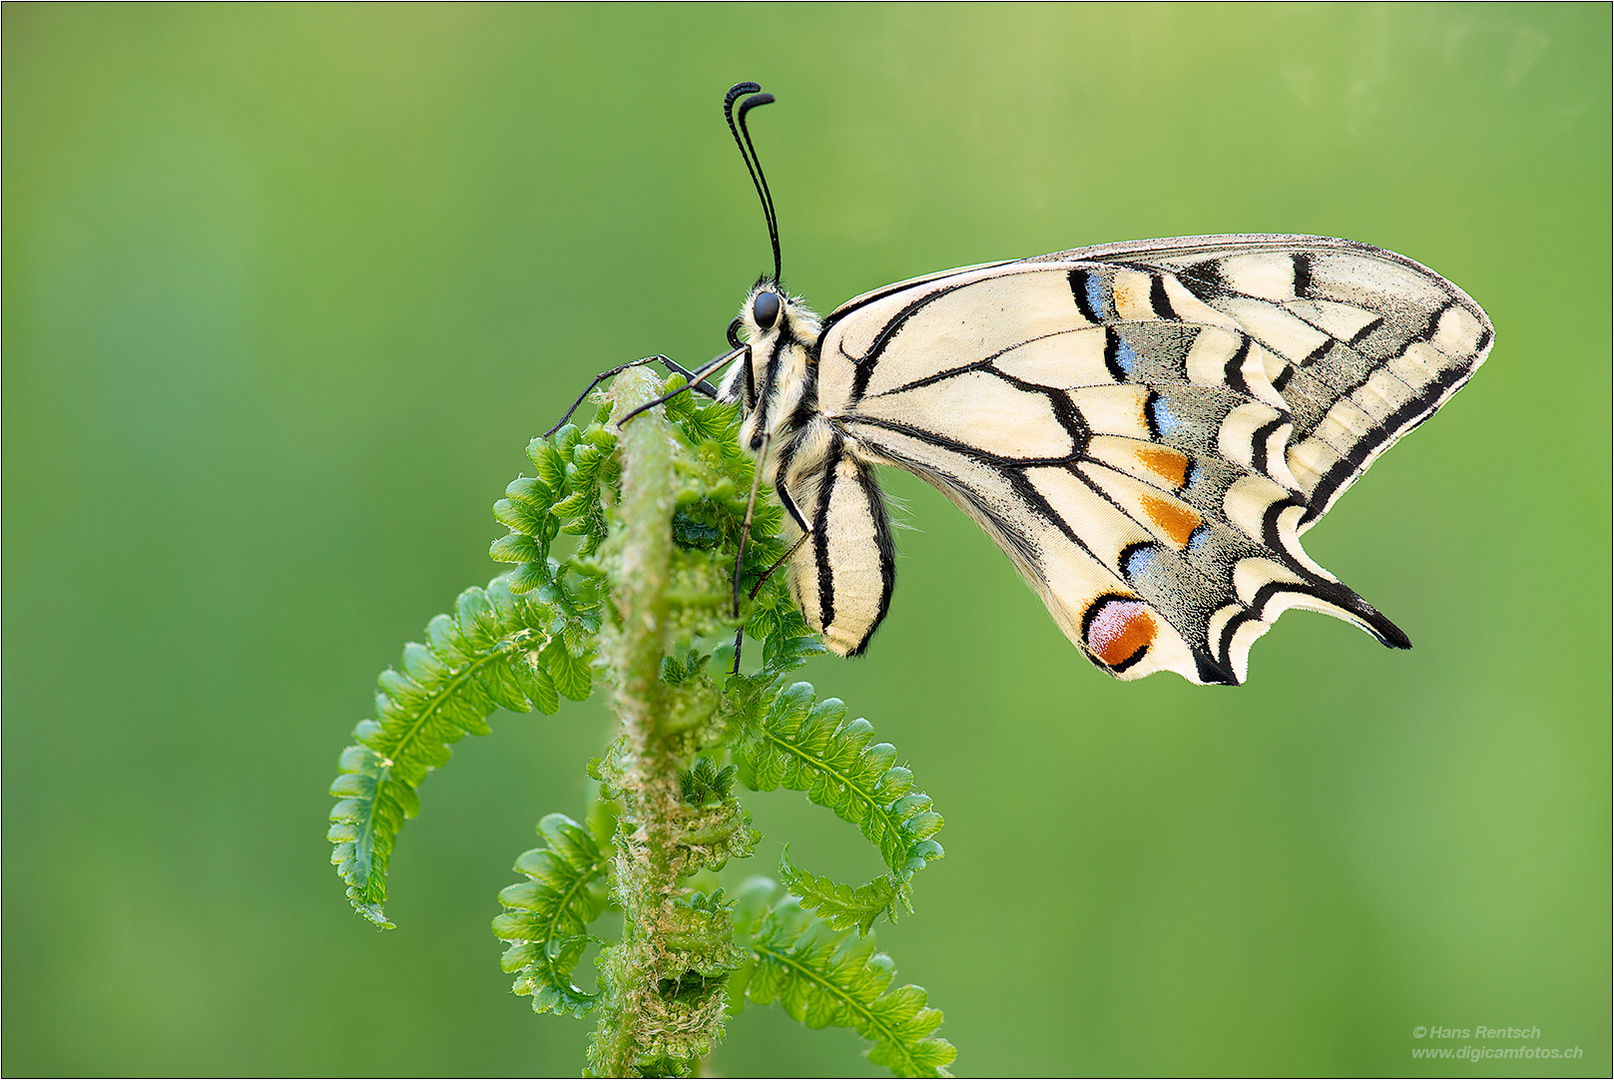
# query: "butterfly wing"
{"points": [[1147, 428]]}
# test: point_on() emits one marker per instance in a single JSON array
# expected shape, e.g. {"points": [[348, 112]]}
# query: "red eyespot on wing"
{"points": [[1118, 631]]}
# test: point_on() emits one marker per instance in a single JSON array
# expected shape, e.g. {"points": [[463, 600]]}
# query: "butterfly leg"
{"points": [[739, 634], [745, 533], [777, 563], [601, 377], [694, 381]]}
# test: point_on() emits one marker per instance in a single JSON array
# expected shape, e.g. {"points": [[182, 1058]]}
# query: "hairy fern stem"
{"points": [[646, 875], [652, 515]]}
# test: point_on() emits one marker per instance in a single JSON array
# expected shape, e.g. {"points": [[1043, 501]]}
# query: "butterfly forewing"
{"points": [[1367, 343], [1146, 428]]}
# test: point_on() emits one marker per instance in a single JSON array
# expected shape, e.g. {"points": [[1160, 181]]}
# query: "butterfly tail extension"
{"points": [[1234, 631]]}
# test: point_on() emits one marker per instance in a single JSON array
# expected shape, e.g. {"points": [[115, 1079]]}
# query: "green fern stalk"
{"points": [[642, 1022], [657, 508]]}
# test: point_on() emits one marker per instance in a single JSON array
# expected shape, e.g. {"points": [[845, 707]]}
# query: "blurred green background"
{"points": [[287, 289]]}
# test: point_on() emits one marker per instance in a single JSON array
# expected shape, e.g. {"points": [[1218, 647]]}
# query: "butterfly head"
{"points": [[774, 375], [770, 315]]}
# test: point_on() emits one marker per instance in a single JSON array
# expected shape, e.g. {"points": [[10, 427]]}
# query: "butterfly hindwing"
{"points": [[1146, 429]]}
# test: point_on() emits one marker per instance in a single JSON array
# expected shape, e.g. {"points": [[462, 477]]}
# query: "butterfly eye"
{"points": [[765, 309]]}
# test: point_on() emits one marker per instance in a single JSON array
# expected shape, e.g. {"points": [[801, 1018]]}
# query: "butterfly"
{"points": [[1145, 428]]}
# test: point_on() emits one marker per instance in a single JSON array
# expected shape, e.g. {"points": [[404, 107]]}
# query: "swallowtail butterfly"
{"points": [[1145, 428]]}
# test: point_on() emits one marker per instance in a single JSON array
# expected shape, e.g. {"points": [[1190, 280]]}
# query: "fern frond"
{"points": [[790, 741], [647, 595], [699, 934], [574, 466], [706, 784], [548, 915], [477, 660], [826, 977], [843, 906], [790, 644], [711, 506]]}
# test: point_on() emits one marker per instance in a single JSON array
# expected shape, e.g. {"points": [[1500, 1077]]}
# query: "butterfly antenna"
{"points": [[753, 164]]}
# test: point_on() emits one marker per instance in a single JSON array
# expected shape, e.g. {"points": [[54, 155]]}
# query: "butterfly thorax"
{"points": [[776, 385]]}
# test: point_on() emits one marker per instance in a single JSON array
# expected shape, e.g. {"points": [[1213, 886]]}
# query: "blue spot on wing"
{"points": [[1166, 422], [1139, 560], [1126, 358], [1096, 294]]}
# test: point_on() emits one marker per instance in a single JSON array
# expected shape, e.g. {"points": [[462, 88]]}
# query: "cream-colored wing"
{"points": [[1146, 429], [842, 574]]}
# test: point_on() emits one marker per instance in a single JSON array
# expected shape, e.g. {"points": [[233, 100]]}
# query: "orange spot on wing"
{"points": [[1119, 631], [1174, 519], [1171, 465]]}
